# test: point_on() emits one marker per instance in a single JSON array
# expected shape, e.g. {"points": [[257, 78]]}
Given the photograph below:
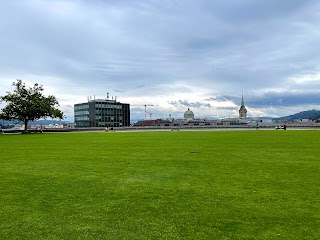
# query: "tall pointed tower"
{"points": [[242, 110]]}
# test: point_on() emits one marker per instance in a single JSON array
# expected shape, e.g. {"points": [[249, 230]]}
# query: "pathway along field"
{"points": [[161, 185]]}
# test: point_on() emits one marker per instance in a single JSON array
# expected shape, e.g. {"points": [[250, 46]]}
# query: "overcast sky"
{"points": [[175, 54]]}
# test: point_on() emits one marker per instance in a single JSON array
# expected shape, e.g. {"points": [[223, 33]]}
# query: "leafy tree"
{"points": [[28, 104]]}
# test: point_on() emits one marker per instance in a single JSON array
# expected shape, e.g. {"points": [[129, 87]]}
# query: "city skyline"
{"points": [[197, 54]]}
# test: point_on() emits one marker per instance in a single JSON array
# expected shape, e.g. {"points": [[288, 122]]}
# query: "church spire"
{"points": [[242, 101], [242, 110]]}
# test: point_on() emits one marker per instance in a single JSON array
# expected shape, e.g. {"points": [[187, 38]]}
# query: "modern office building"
{"points": [[102, 113]]}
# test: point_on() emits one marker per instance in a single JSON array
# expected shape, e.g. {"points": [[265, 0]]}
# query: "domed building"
{"points": [[188, 115]]}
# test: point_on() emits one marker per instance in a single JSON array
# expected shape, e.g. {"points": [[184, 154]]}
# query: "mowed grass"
{"points": [[161, 185]]}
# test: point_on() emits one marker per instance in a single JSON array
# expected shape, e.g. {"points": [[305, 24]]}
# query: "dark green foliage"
{"points": [[161, 185], [28, 104]]}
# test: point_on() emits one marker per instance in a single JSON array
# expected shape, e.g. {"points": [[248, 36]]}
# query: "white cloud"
{"points": [[306, 78]]}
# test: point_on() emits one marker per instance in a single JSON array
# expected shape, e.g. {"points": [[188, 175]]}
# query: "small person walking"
{"points": [[257, 127]]}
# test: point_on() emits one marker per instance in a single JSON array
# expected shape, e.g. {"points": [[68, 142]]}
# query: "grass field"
{"points": [[161, 185]]}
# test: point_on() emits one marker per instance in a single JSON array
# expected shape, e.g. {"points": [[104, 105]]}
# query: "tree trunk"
{"points": [[25, 125]]}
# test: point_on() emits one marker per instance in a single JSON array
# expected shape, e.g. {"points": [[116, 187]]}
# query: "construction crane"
{"points": [[150, 115], [145, 108]]}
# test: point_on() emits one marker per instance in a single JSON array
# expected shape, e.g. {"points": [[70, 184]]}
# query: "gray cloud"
{"points": [[277, 99], [218, 98], [185, 103]]}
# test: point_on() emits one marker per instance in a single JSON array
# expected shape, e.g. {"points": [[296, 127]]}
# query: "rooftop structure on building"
{"points": [[102, 113]]}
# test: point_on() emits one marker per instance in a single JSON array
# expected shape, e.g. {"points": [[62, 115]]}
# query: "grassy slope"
{"points": [[153, 185]]}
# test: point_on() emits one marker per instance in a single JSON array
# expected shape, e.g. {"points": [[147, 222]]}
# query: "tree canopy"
{"points": [[28, 104]]}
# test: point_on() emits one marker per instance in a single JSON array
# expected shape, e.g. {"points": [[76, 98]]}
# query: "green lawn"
{"points": [[161, 185]]}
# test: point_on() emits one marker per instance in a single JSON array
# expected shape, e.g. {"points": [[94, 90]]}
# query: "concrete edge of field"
{"points": [[143, 129]]}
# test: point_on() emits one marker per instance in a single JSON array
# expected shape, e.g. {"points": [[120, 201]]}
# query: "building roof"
{"points": [[188, 112]]}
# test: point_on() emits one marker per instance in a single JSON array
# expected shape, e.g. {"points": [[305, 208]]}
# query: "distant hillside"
{"points": [[309, 114], [265, 118]]}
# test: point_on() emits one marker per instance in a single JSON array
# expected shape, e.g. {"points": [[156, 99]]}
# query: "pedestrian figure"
{"points": [[257, 128]]}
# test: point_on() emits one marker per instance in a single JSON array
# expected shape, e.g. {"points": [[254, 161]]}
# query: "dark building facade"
{"points": [[102, 113]]}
